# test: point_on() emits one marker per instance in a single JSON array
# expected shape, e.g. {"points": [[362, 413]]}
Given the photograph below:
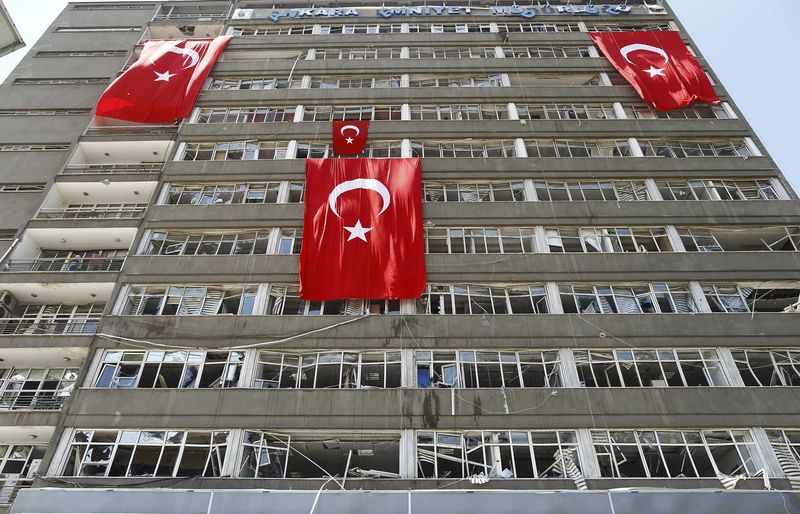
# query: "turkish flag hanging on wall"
{"points": [[362, 230], [349, 136], [659, 66], [162, 86]]}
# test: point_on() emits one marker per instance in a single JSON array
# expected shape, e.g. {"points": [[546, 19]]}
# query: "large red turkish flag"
{"points": [[162, 86], [362, 230], [659, 66]]}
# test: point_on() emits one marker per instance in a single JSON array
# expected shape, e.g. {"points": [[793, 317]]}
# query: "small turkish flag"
{"points": [[162, 86], [349, 136], [659, 66], [362, 230]]}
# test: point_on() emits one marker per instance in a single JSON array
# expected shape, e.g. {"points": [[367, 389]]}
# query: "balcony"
{"points": [[101, 127], [10, 485], [65, 264], [132, 211], [41, 400], [112, 169], [86, 324]]}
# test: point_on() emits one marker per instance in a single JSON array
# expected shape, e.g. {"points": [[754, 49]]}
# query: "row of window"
{"points": [[284, 299], [21, 188], [430, 52], [450, 113], [60, 81], [461, 369], [513, 191], [472, 148], [500, 454]]}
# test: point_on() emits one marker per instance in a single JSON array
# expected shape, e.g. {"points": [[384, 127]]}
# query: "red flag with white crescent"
{"points": [[350, 136], [362, 230], [659, 66], [163, 84]]}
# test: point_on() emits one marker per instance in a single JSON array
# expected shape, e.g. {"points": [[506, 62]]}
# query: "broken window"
{"points": [[145, 453], [649, 368], [170, 369], [581, 191], [285, 300], [786, 445], [205, 243], [190, 300], [764, 296], [626, 299], [607, 239], [473, 192], [496, 454], [740, 239], [768, 367], [17, 460], [36, 388], [474, 369], [676, 454], [480, 240], [482, 299], [680, 148], [273, 455], [231, 194], [336, 370], [717, 189]]}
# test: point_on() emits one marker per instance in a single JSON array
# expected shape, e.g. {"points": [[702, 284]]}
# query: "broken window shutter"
{"points": [[790, 464], [566, 466], [626, 305], [354, 307], [213, 301], [681, 302]]}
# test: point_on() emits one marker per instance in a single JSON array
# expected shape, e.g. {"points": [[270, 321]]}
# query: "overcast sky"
{"points": [[753, 45]]}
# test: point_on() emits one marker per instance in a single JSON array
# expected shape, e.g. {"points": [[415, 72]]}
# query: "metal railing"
{"points": [[67, 264], [27, 326], [106, 169], [191, 16], [121, 130], [33, 400], [10, 486], [91, 213]]}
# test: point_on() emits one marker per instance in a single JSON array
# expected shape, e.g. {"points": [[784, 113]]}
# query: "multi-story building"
{"points": [[611, 317]]}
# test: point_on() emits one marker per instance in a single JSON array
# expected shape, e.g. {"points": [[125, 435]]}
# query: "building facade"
{"points": [[610, 321]]}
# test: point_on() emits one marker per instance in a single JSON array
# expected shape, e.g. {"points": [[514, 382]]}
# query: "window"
{"points": [[786, 445], [566, 112], [98, 29], [54, 319], [455, 81], [459, 112], [247, 115], [459, 28], [548, 52], [694, 112], [768, 367], [328, 370], [111, 7], [482, 299], [44, 112], [539, 27], [612, 190], [234, 151], [480, 369], [56, 147], [190, 300], [329, 113], [374, 149], [170, 369], [716, 189], [146, 453], [464, 148], [514, 454], [191, 243], [698, 240], [661, 367], [675, 454], [285, 300], [290, 241], [356, 53], [7, 235], [607, 239], [627, 27], [480, 240], [53, 81], [473, 192], [577, 148], [764, 296], [16, 460], [626, 299], [272, 455], [227, 194], [21, 188], [727, 298], [85, 53], [336, 82], [450, 53], [275, 30], [36, 388], [677, 148], [253, 83]]}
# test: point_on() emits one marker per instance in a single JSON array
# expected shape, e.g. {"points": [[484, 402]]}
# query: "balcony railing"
{"points": [[66, 264], [122, 130], [10, 486], [40, 400], [27, 326], [193, 16], [85, 213], [110, 169]]}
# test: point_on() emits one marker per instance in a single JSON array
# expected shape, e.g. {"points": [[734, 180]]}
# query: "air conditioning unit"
{"points": [[242, 14], [655, 9], [7, 304]]}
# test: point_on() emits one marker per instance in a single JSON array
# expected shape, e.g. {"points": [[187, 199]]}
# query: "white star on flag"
{"points": [[349, 140], [358, 231], [163, 77], [653, 71]]}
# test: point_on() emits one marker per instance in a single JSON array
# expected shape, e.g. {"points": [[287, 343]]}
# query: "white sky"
{"points": [[751, 44]]}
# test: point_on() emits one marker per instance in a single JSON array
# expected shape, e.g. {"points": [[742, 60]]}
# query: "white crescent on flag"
{"points": [[627, 49], [171, 47], [353, 127], [360, 183]]}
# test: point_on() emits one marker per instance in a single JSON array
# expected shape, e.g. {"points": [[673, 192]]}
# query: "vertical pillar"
{"points": [[619, 111], [729, 367], [652, 189], [519, 147], [408, 454], [780, 190], [636, 149], [513, 114], [588, 459], [699, 297], [771, 465], [675, 239], [530, 192], [405, 112], [408, 376], [541, 240], [569, 371], [553, 298]]}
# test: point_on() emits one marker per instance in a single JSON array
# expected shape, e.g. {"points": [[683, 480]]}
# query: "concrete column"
{"points": [[619, 111], [60, 453], [541, 239], [405, 112], [771, 464], [675, 239], [605, 79], [404, 28], [553, 298], [494, 28], [636, 149], [569, 371], [586, 454], [311, 54], [499, 53], [405, 148], [179, 151], [291, 149], [593, 51], [530, 192], [405, 80], [93, 370], [262, 296], [408, 376], [781, 191], [513, 114], [119, 303], [582, 26], [751, 145], [316, 29], [699, 298], [404, 53], [519, 147], [729, 111], [408, 454], [408, 306], [652, 189], [299, 113], [235, 439], [729, 367], [248, 376], [305, 82], [505, 80]]}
